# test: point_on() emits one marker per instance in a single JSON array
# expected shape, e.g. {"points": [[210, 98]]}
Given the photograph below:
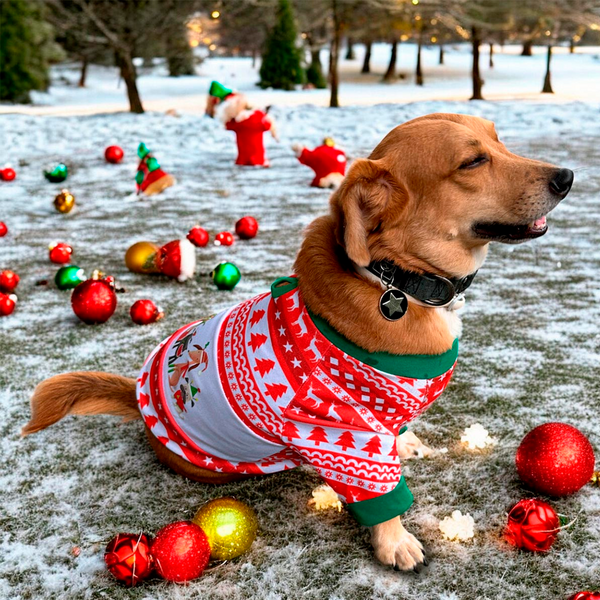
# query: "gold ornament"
{"points": [[141, 258], [64, 202], [595, 480], [229, 525], [329, 142]]}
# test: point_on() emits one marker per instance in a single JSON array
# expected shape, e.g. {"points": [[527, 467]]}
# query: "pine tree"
{"points": [[180, 57], [281, 68]]}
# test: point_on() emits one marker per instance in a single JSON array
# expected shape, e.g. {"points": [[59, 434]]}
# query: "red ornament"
{"points": [[8, 174], [177, 259], [7, 304], [555, 459], [60, 253], [94, 301], [180, 551], [3, 229], [128, 558], [246, 228], [144, 312], [198, 236], [586, 596], [532, 525], [114, 154], [9, 280], [224, 239]]}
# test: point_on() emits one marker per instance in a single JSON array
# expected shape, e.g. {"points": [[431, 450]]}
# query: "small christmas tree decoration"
{"points": [[94, 301], [64, 202], [150, 178], [177, 259], [3, 229], [224, 239], [586, 596], [180, 551], [226, 276], [327, 161], [60, 253], [68, 277], [7, 304], [229, 525], [458, 527], [144, 312], [58, 174], [114, 154], [532, 525], [324, 497], [477, 437], [142, 257], [9, 280], [555, 459], [198, 236], [128, 558], [246, 228], [7, 174]]}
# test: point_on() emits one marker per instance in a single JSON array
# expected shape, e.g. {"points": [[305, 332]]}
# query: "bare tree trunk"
{"points": [[390, 74], [254, 55], [419, 71], [333, 57], [477, 83], [350, 50], [571, 46], [547, 89], [129, 75], [441, 61], [83, 72], [491, 55], [366, 68], [527, 48]]}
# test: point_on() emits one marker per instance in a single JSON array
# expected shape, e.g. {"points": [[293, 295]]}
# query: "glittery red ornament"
{"points": [[94, 301], [128, 558], [555, 459], [180, 551], [7, 304], [246, 228], [532, 525], [8, 174], [60, 253], [114, 154], [3, 229], [9, 280], [586, 596], [198, 236], [144, 312], [224, 239]]}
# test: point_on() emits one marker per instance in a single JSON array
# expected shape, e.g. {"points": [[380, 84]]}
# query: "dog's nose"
{"points": [[562, 181]]}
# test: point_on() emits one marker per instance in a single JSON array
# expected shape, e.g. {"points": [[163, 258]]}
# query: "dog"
{"points": [[369, 320]]}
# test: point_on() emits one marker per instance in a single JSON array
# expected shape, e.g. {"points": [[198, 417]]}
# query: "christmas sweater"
{"points": [[323, 160], [266, 386], [249, 134]]}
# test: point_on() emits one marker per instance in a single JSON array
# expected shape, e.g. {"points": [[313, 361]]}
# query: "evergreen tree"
{"points": [[180, 57], [281, 68]]}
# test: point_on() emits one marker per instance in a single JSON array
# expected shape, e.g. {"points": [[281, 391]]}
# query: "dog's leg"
{"points": [[408, 445], [395, 546]]}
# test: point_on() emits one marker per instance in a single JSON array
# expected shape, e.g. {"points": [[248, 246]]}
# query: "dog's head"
{"points": [[437, 190]]}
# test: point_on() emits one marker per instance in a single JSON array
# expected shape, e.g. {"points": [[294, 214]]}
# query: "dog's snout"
{"points": [[562, 181]]}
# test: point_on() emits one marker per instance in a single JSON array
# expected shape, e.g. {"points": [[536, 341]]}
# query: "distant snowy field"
{"points": [[530, 353]]}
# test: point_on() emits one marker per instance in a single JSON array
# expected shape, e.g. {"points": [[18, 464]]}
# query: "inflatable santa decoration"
{"points": [[327, 161], [150, 178]]}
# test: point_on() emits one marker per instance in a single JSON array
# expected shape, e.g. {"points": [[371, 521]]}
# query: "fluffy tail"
{"points": [[81, 393]]}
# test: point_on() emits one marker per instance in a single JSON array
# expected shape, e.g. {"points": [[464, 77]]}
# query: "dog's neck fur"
{"points": [[350, 304]]}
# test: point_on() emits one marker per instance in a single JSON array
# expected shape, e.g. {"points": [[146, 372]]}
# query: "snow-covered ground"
{"points": [[530, 353], [574, 77]]}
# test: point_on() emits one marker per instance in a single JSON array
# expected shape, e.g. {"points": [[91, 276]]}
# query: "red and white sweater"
{"points": [[265, 386]]}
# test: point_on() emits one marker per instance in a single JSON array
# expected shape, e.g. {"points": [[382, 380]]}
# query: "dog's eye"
{"points": [[474, 162]]}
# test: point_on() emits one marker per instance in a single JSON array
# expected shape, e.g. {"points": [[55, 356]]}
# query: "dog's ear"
{"points": [[358, 206]]}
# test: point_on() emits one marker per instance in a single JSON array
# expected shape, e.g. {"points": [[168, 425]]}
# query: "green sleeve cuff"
{"points": [[383, 508], [403, 430]]}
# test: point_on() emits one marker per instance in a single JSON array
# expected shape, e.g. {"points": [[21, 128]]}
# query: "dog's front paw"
{"points": [[397, 547], [408, 445]]}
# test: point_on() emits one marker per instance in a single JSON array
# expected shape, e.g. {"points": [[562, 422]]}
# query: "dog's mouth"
{"points": [[511, 234]]}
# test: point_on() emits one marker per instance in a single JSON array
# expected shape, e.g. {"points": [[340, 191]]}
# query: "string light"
{"points": [[215, 14], [433, 39], [415, 2]]}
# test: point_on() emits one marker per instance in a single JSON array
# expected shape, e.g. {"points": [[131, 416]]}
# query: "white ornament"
{"points": [[323, 497], [458, 527], [477, 436]]}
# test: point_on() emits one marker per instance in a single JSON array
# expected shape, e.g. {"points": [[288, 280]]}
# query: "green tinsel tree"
{"points": [[281, 66]]}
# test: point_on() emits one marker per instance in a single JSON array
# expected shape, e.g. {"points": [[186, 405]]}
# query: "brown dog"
{"points": [[407, 230]]}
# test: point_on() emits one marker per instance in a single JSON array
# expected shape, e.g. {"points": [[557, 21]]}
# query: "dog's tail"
{"points": [[81, 393]]}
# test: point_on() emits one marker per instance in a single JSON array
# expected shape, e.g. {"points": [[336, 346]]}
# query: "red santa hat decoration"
{"points": [[177, 259], [150, 178], [327, 161]]}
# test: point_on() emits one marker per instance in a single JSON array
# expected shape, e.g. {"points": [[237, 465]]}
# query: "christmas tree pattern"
{"points": [[318, 436], [373, 446]]}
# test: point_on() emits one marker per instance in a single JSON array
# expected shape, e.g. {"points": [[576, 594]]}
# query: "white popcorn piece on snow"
{"points": [[323, 497], [458, 527], [477, 437]]}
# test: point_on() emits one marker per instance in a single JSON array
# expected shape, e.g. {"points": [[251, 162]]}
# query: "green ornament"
{"points": [[152, 164], [143, 150], [58, 174], [68, 277], [226, 276], [139, 177]]}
